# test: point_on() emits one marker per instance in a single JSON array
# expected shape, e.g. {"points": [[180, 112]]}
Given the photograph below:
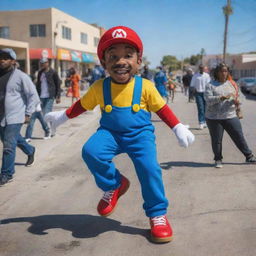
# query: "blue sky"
{"points": [[167, 27]]}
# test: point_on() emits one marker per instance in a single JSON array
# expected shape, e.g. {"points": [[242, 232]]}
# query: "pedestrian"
{"points": [[161, 83], [198, 83], [126, 101], [18, 100], [74, 83], [221, 99], [48, 87], [171, 87], [147, 74], [186, 80]]}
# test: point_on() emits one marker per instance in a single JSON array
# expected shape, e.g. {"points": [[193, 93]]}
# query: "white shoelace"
{"points": [[159, 220], [108, 196]]}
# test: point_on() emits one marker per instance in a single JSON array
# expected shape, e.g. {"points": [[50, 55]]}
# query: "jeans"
{"points": [[234, 129], [10, 136], [200, 102], [46, 104], [39, 116]]}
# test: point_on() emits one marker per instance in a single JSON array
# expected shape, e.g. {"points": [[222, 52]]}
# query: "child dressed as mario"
{"points": [[126, 101]]}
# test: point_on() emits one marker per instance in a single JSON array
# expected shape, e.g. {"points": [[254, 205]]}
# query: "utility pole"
{"points": [[227, 10]]}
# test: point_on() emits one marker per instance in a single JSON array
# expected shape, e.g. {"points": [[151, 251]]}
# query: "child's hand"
{"points": [[184, 135], [55, 119]]}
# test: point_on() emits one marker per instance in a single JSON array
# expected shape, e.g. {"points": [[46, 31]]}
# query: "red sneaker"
{"points": [[161, 231], [109, 200]]}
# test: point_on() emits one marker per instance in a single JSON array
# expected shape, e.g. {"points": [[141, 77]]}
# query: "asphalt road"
{"points": [[50, 208]]}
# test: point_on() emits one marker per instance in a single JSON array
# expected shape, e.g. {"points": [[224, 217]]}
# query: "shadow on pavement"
{"points": [[169, 165], [81, 226]]}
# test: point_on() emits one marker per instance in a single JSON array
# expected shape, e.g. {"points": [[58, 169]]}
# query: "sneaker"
{"points": [[31, 160], [5, 178], [251, 159], [201, 126], [218, 164], [28, 140], [204, 125], [109, 200], [47, 136], [161, 231]]}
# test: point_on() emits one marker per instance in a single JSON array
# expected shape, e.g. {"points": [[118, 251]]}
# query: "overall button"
{"points": [[136, 107], [108, 108]]}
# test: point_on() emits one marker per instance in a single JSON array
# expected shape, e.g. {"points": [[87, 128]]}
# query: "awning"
{"points": [[38, 53], [88, 58], [64, 54], [76, 56]]}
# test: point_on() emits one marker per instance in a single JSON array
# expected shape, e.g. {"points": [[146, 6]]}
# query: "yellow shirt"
{"points": [[122, 95]]}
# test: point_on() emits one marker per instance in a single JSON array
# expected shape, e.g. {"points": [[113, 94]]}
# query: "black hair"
{"points": [[218, 69]]}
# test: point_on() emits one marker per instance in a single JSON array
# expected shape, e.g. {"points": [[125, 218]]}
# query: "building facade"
{"points": [[51, 33], [241, 65]]}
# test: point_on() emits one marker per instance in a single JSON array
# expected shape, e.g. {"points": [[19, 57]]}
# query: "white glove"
{"points": [[184, 135], [55, 119]]}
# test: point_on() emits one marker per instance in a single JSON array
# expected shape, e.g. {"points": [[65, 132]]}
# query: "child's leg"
{"points": [[98, 153], [142, 150]]}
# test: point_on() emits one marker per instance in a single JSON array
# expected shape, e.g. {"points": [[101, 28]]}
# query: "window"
{"points": [[96, 41], [66, 33], [4, 32], [84, 38], [37, 30]]}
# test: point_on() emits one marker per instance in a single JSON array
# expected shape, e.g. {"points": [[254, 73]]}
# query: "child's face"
{"points": [[122, 62]]}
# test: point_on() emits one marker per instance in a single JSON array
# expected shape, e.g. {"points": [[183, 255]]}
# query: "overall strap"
{"points": [[107, 91], [137, 91]]}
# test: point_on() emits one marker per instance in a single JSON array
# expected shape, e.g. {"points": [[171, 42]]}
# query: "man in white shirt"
{"points": [[198, 83]]}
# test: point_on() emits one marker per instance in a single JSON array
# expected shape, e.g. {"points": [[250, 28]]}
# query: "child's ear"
{"points": [[139, 60]]}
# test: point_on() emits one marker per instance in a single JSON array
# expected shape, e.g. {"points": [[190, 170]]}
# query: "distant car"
{"points": [[246, 83], [253, 90]]}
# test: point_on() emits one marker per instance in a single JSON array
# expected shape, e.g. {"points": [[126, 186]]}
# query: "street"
{"points": [[50, 208]]}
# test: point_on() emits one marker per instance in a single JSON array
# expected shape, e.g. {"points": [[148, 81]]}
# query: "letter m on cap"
{"points": [[119, 33]]}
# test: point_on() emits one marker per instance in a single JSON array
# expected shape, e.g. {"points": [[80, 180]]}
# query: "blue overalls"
{"points": [[127, 130]]}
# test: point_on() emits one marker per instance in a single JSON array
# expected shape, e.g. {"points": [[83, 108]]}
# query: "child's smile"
{"points": [[122, 62]]}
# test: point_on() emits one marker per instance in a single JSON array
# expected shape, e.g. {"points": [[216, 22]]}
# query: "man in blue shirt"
{"points": [[161, 82]]}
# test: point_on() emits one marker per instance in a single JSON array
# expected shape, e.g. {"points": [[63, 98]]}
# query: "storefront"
{"points": [[81, 61]]}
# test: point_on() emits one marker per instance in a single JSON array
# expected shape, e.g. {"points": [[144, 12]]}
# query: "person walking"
{"points": [[171, 85], [222, 98], [147, 74], [161, 83], [126, 101], [18, 100], [186, 80], [74, 83], [48, 87], [198, 83]]}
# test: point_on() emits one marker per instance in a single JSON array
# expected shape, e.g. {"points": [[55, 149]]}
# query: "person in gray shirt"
{"points": [[18, 100], [222, 98]]}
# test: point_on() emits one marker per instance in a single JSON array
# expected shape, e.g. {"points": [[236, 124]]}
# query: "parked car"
{"points": [[246, 83], [253, 90]]}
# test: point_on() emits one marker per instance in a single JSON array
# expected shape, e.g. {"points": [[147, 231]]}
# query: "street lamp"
{"points": [[55, 33]]}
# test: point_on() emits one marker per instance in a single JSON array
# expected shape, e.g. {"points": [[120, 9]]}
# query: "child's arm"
{"points": [[59, 117], [184, 136]]}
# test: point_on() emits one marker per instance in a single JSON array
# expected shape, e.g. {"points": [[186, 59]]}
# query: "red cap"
{"points": [[117, 35]]}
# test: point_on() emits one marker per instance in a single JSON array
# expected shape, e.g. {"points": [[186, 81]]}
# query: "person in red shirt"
{"points": [[74, 83], [126, 101]]}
